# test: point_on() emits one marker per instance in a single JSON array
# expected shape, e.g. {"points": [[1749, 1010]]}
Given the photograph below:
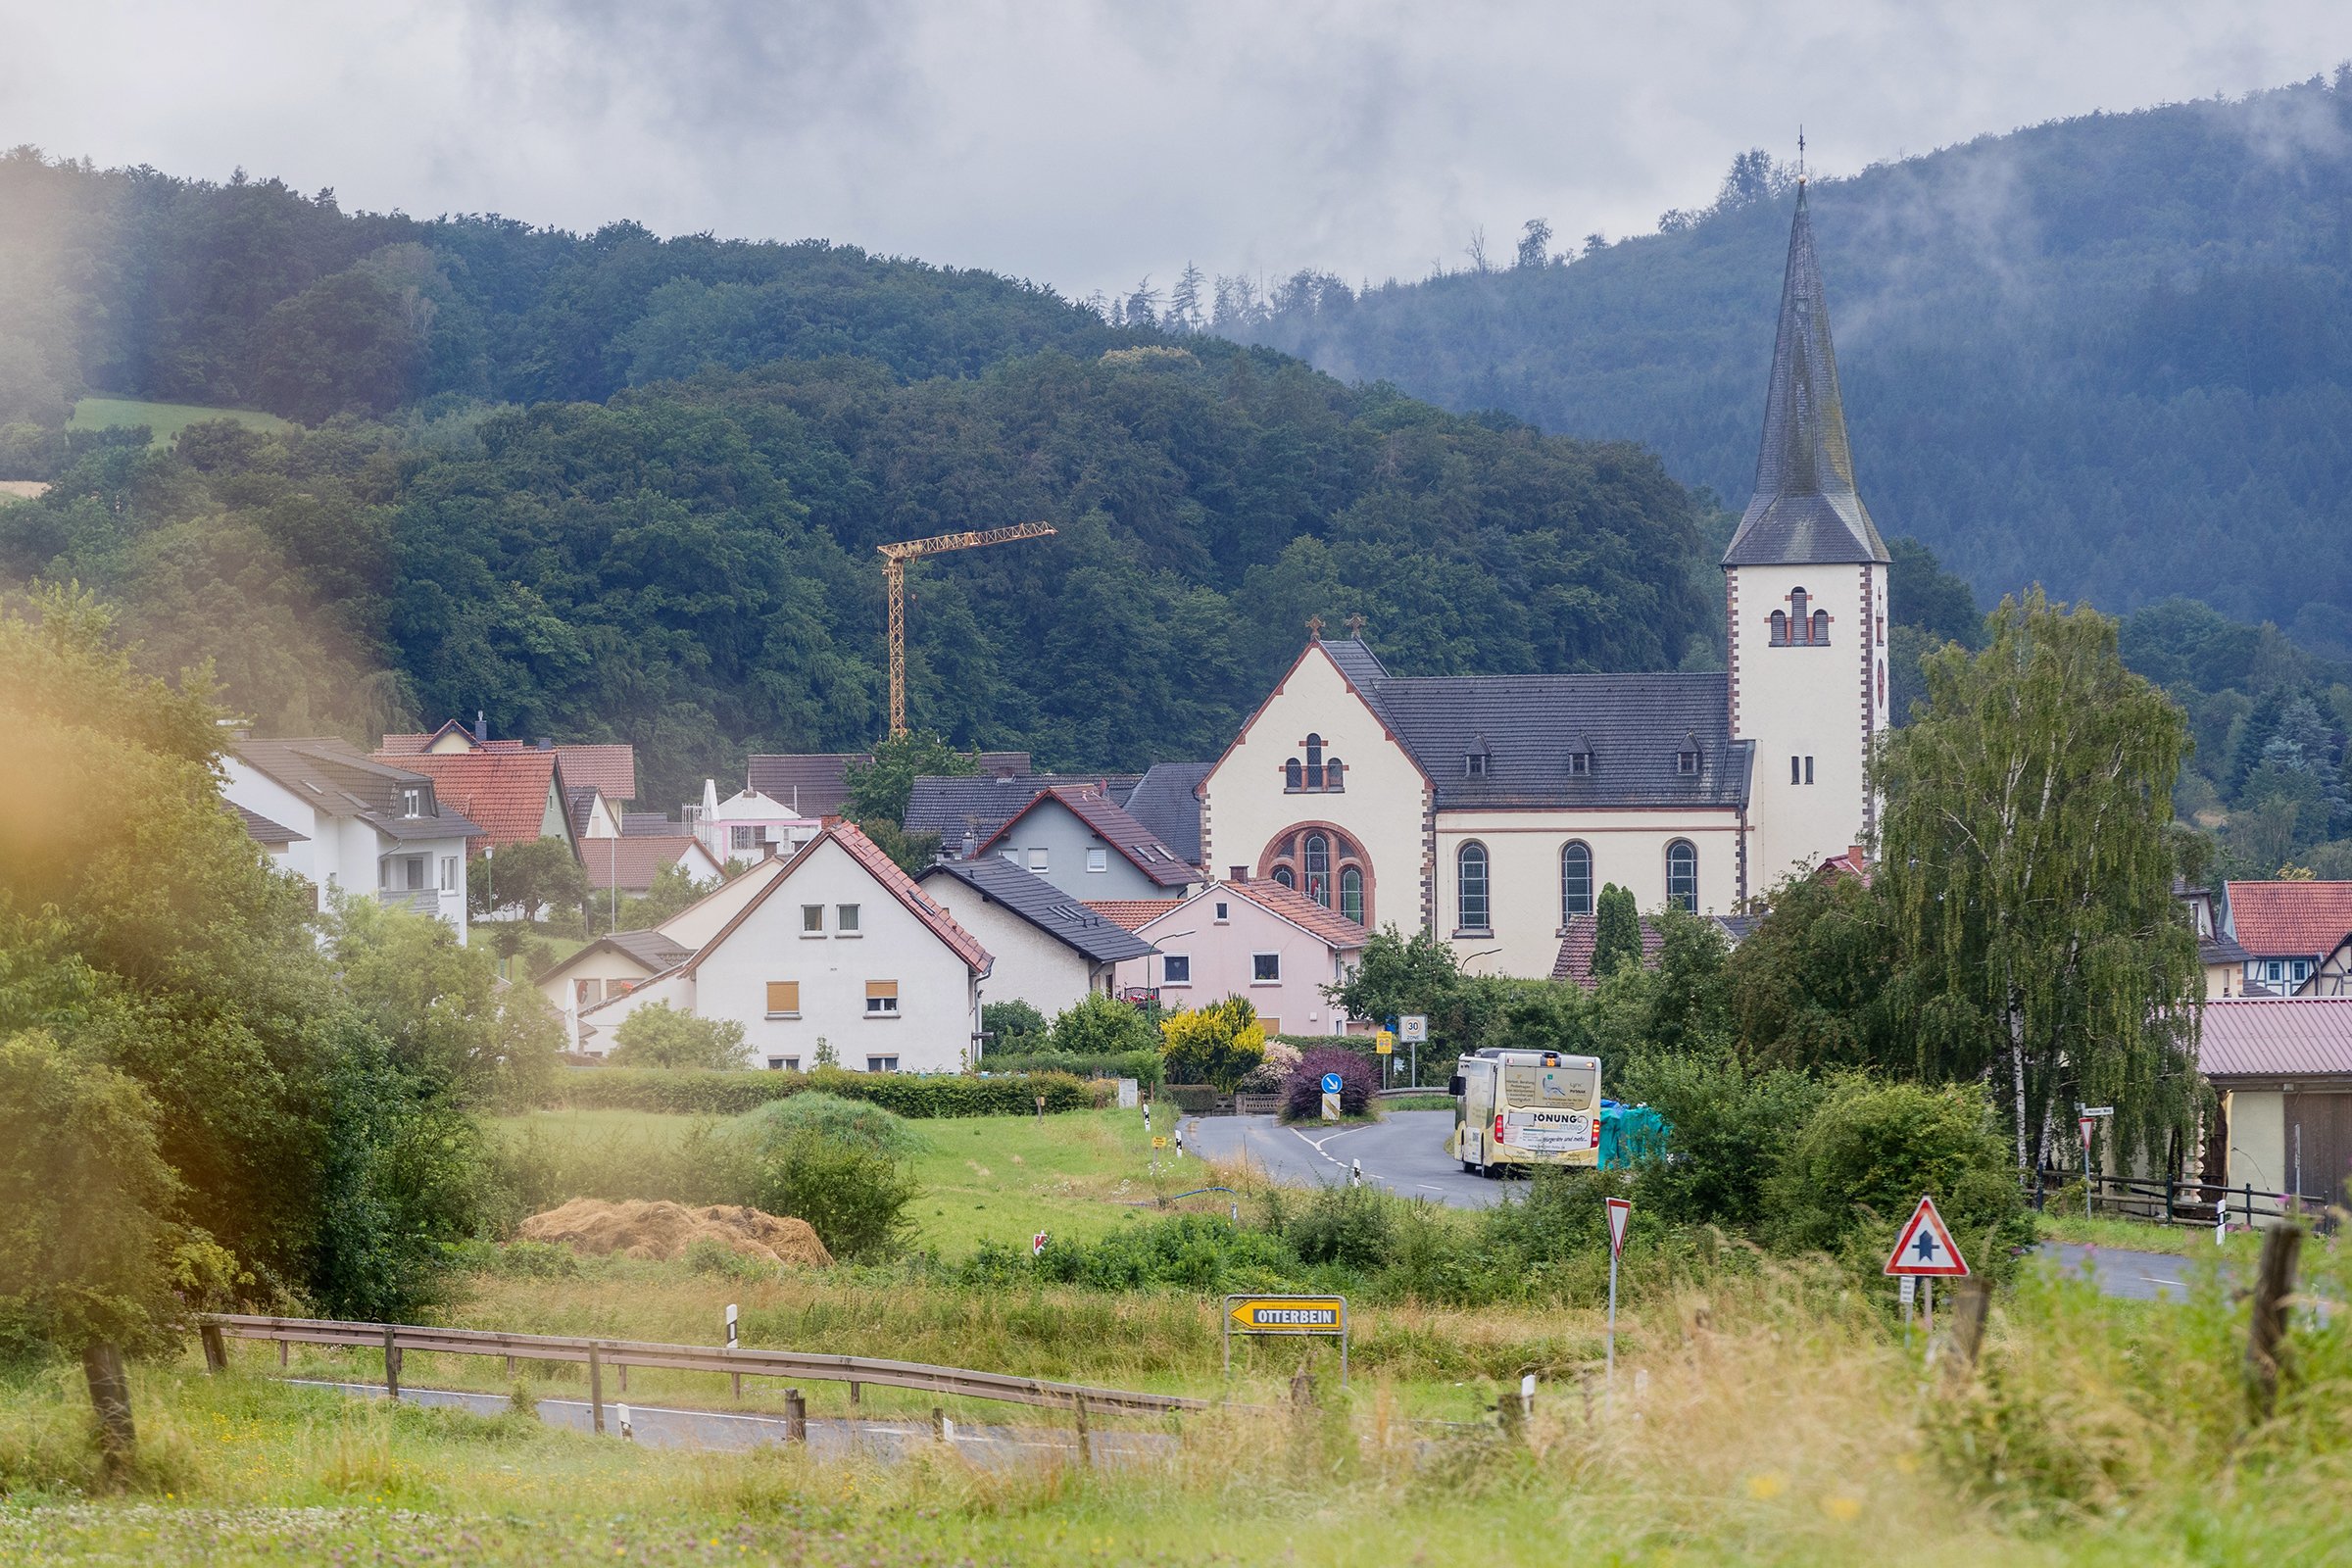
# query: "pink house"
{"points": [[1260, 940]]}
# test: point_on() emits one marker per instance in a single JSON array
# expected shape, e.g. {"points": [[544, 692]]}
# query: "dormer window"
{"points": [[411, 803], [1474, 765], [1580, 764], [1687, 760]]}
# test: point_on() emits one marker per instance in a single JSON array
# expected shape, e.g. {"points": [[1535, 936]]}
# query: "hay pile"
{"points": [[663, 1231]]}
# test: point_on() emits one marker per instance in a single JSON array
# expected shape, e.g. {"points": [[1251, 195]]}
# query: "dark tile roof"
{"points": [[1041, 903], [630, 862], [1164, 801], [1736, 927], [984, 804], [655, 952], [2276, 1036], [2222, 949], [652, 824], [822, 778], [261, 830], [1805, 511], [1632, 726], [1575, 961], [335, 778], [1114, 828]]}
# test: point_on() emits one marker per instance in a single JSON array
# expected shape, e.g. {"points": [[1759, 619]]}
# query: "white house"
{"points": [[1491, 809], [346, 824], [604, 971], [837, 946], [747, 826], [1051, 949]]}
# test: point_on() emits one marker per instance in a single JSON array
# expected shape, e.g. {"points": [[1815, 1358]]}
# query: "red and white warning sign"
{"points": [[1037, 1245], [1926, 1246], [1621, 1209]]}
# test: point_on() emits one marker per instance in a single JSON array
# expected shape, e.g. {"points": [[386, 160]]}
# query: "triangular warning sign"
{"points": [[1621, 1209], [1926, 1246]]}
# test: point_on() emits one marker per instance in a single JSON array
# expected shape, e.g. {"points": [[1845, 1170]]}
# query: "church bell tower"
{"points": [[1805, 589]]}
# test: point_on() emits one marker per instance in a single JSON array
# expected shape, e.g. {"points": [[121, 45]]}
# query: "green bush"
{"points": [[827, 1116], [1351, 1226], [1103, 1026], [1194, 1252], [1728, 1130], [732, 1094], [658, 1035], [1141, 1066], [1872, 1150], [1014, 1027], [1219, 1043], [853, 1194]]}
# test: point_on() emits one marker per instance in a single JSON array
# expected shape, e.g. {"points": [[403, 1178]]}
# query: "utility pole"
{"points": [[894, 571]]}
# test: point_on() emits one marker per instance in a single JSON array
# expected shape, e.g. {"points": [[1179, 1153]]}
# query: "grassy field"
{"points": [[165, 419], [1774, 1422], [1078, 1174], [2139, 1236]]}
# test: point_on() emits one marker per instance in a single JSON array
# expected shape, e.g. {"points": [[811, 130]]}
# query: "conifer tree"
{"points": [[1616, 932]]}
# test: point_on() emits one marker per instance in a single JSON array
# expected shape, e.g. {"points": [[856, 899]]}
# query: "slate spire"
{"points": [[1806, 510]]}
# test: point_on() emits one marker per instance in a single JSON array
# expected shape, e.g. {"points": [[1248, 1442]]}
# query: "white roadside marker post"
{"points": [[1620, 1210]]}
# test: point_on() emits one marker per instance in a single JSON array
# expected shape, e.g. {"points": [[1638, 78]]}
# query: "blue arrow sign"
{"points": [[1331, 1083]]}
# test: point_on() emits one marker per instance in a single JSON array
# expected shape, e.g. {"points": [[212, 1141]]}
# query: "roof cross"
{"points": [[1314, 627], [1355, 625]]}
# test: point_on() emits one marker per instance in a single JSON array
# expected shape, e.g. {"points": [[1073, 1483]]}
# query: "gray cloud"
{"points": [[1086, 143]]}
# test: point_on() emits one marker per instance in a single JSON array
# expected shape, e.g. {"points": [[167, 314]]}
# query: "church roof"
{"points": [[1805, 511], [1632, 730]]}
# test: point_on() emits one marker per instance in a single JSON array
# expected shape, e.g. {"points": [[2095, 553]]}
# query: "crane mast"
{"points": [[894, 571]]}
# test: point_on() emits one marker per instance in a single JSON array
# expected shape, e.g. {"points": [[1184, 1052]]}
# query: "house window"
{"points": [[1470, 887], [1335, 776], [1314, 762], [586, 992], [411, 803], [1795, 773], [2302, 970], [1808, 771], [1681, 876], [881, 1065], [1098, 860], [784, 1064], [1037, 861], [1318, 869], [1576, 881], [2274, 970], [783, 998], [1580, 764], [1293, 777], [1266, 968], [743, 838], [812, 919], [1351, 895], [1686, 764], [845, 918], [1779, 628], [1176, 969], [1224, 912], [881, 999], [449, 873]]}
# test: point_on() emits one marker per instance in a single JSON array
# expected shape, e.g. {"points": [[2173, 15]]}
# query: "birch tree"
{"points": [[2028, 858]]}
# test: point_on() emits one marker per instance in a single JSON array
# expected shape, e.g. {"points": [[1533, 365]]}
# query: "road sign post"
{"points": [[1413, 1028], [1621, 1209], [2085, 1122], [1331, 1097], [1925, 1251], [1037, 1245], [1284, 1317]]}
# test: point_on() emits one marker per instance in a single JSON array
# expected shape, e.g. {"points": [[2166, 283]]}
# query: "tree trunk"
{"points": [[110, 1397], [2017, 1079]]}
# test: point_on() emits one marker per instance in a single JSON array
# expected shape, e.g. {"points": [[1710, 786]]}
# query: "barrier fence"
{"points": [[2171, 1200]]}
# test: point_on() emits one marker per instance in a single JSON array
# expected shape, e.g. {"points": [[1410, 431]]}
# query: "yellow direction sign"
{"points": [[1287, 1314], [1384, 1044]]}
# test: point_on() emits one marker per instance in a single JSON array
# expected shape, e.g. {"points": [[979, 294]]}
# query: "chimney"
{"points": [[1859, 853], [481, 727], [1241, 873], [545, 743], [972, 839]]}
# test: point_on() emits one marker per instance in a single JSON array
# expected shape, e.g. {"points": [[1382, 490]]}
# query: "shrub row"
{"points": [[1141, 1066], [732, 1094]]}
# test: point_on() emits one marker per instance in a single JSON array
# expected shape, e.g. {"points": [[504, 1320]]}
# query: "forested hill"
{"points": [[2112, 354], [514, 508]]}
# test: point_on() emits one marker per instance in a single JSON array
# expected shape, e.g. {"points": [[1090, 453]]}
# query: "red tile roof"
{"points": [[1301, 910], [883, 869], [612, 769], [504, 792], [1130, 913], [1114, 828], [2290, 920], [630, 862], [2277, 1037], [1575, 961]]}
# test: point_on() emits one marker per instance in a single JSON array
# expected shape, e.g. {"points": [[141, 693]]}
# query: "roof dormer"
{"points": [[1478, 759]]}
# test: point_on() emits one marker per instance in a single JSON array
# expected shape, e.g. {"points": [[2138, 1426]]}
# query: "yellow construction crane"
{"points": [[894, 567]]}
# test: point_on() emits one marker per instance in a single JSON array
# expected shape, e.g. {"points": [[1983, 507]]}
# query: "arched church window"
{"points": [[1779, 628], [1283, 875], [1314, 762], [1334, 775], [1576, 881], [1471, 907], [1351, 895], [1318, 869], [1821, 626], [1681, 876], [1292, 775]]}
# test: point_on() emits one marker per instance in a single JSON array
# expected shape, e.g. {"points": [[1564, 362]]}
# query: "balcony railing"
{"points": [[417, 900]]}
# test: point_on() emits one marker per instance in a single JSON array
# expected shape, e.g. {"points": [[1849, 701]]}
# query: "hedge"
{"points": [[732, 1094], [1142, 1066]]}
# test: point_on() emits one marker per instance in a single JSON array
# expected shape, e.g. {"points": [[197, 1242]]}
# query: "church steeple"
{"points": [[1805, 511]]}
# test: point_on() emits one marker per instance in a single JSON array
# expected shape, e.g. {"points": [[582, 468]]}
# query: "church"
{"points": [[1491, 809]]}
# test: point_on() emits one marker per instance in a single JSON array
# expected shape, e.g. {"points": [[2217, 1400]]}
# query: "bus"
{"points": [[1523, 1108]]}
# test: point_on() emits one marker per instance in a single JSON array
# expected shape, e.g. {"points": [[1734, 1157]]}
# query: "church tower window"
{"points": [[1681, 876]]}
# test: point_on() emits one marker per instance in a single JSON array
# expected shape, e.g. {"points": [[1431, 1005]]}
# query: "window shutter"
{"points": [[783, 996], [880, 988]]}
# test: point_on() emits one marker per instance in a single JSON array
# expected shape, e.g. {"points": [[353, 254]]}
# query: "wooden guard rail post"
{"points": [[855, 1370]]}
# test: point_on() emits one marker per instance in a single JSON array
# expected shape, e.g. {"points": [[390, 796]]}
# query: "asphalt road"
{"points": [[668, 1426], [1405, 1154]]}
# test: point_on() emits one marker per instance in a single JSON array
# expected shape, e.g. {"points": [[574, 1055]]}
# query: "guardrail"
{"points": [[392, 1339], [2171, 1200]]}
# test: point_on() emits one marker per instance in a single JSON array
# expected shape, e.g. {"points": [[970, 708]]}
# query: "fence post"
{"points": [[281, 1352], [2265, 1335], [938, 1424], [596, 1391], [1967, 1320], [795, 1417], [216, 1352], [110, 1397], [1086, 1444], [852, 1391], [622, 1367], [391, 1363]]}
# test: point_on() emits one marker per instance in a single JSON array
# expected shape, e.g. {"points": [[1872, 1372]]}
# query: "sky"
{"points": [[1090, 145]]}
